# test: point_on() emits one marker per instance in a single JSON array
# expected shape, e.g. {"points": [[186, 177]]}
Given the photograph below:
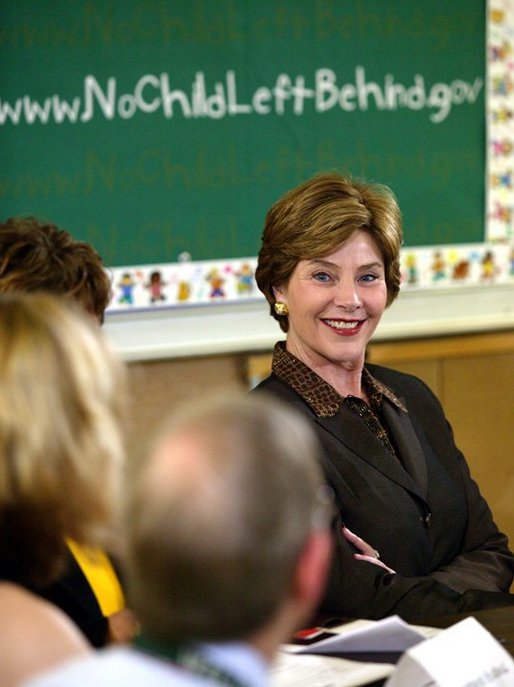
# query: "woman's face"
{"points": [[335, 304]]}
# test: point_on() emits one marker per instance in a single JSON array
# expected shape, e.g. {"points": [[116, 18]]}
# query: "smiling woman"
{"points": [[329, 267], [334, 307]]}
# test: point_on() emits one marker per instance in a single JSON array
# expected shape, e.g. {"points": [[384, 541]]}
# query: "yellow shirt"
{"points": [[101, 576]]}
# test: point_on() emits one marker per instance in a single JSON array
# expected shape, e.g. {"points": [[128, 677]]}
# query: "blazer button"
{"points": [[425, 519]]}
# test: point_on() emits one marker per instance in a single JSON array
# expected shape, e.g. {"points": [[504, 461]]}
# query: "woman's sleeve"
{"points": [[361, 590], [485, 561]]}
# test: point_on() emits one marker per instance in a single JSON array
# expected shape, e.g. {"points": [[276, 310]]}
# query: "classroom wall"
{"points": [[159, 386]]}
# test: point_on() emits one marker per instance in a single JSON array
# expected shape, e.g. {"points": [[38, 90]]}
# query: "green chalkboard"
{"points": [[150, 128]]}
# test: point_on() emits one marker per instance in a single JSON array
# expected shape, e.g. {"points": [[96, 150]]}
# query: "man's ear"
{"points": [[312, 569]]}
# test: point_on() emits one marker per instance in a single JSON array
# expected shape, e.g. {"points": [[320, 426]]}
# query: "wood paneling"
{"points": [[157, 388]]}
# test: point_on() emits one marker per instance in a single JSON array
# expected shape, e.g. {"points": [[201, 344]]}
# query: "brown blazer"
{"points": [[425, 514]]}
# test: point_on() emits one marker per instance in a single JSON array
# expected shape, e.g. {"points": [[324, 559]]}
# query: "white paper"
{"points": [[291, 670], [391, 634], [463, 655]]}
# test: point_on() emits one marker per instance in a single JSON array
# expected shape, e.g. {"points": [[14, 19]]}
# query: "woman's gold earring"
{"points": [[281, 309]]}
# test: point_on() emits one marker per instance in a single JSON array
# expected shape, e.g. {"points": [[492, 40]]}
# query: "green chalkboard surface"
{"points": [[150, 128]]}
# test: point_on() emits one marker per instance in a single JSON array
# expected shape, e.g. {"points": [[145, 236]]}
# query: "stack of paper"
{"points": [[297, 667], [462, 655]]}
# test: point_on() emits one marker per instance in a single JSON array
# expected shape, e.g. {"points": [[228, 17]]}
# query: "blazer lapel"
{"points": [[407, 444], [349, 429]]}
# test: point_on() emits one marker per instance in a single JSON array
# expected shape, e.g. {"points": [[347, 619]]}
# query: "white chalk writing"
{"points": [[155, 93]]}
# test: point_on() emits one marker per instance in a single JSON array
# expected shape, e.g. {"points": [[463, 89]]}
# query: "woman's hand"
{"points": [[368, 553]]}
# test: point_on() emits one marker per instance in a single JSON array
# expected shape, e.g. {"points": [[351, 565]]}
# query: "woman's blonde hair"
{"points": [[316, 218], [61, 409]]}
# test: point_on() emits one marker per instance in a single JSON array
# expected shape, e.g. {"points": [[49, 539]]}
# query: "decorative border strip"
{"points": [[500, 121], [185, 283], [188, 283]]}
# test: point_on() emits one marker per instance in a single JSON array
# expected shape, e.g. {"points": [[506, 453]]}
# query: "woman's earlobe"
{"points": [[280, 308]]}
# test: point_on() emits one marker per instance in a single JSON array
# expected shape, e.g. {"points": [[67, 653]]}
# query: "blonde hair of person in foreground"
{"points": [[228, 544], [61, 449]]}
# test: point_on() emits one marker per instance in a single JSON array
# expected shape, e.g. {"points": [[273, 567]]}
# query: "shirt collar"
{"points": [[227, 663], [324, 400], [240, 659]]}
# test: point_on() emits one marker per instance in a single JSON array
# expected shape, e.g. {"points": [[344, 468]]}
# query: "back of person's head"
{"points": [[217, 518], [38, 256], [61, 409]]}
